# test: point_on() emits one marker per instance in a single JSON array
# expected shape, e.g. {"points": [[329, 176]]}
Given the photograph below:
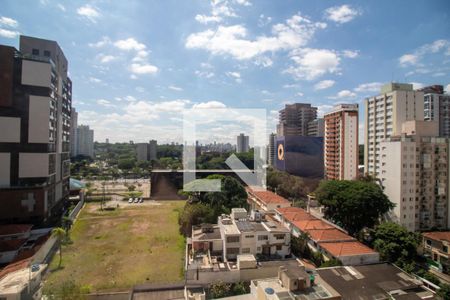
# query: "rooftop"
{"points": [[438, 235], [374, 281], [206, 232], [11, 245], [349, 248], [328, 235], [267, 197], [312, 224], [294, 214], [16, 281]]}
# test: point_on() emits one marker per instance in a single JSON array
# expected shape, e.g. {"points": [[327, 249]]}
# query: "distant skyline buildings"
{"points": [[242, 143], [85, 141]]}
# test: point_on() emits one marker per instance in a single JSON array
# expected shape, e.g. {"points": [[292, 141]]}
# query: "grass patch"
{"points": [[114, 250]]}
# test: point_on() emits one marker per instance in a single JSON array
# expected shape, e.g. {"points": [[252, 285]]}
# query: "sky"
{"points": [[137, 65]]}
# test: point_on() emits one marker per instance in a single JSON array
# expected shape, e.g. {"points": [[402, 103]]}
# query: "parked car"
{"points": [[141, 200], [130, 200], [136, 200]]}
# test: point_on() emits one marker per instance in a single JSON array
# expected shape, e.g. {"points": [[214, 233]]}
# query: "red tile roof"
{"points": [[14, 229], [295, 214], [267, 197], [329, 235], [438, 235], [338, 249], [305, 225]]}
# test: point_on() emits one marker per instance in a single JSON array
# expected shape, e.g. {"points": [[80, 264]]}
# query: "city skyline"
{"points": [[138, 79]]}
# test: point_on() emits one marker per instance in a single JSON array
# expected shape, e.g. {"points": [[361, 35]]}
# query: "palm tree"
{"points": [[59, 233]]}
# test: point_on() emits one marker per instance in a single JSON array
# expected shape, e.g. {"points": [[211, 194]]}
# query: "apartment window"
{"points": [[263, 237], [233, 239], [35, 51], [46, 53], [249, 236], [232, 250], [279, 247], [445, 249], [279, 236], [245, 250]]}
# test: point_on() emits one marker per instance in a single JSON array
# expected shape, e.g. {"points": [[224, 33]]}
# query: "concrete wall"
{"points": [[36, 73], [356, 260], [39, 116], [33, 165], [5, 163], [10, 130]]}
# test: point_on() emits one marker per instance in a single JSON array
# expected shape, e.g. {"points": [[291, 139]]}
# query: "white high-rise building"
{"points": [[437, 108], [85, 141], [341, 143], [73, 132], [414, 175], [384, 116], [243, 144]]}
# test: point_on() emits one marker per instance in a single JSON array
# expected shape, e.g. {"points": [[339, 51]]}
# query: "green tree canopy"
{"points": [[353, 205], [395, 243]]}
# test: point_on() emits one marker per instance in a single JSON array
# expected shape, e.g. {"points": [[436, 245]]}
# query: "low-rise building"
{"points": [[436, 247], [266, 201], [325, 237]]}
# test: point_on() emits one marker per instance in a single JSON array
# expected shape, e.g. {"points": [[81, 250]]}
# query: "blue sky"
{"points": [[136, 65]]}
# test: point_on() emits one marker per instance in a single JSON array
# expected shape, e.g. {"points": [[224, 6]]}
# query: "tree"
{"points": [[220, 289], [444, 292], [395, 243], [353, 205], [59, 233], [194, 214]]}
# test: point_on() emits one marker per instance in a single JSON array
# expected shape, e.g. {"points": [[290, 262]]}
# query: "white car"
{"points": [[136, 200], [141, 200], [130, 200]]}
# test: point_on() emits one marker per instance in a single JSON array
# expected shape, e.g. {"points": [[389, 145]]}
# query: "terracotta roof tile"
{"points": [[295, 214], [267, 197], [305, 225], [329, 235], [346, 248], [438, 235]]}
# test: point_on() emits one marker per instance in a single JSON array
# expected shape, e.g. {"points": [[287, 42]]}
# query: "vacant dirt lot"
{"points": [[114, 250]]}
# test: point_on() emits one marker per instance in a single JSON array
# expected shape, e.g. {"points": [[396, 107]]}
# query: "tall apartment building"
{"points": [[341, 142], [35, 110], [242, 144], [146, 151], [415, 176], [437, 107], [316, 127], [271, 149], [85, 141], [384, 116], [294, 119], [73, 132]]}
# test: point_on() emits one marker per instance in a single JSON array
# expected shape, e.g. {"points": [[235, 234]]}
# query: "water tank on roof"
{"points": [[269, 291]]}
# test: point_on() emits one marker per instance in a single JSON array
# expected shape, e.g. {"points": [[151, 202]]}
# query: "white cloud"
{"points": [[61, 7], [8, 33], [5, 21], [290, 86], [324, 84], [103, 42], [204, 74], [413, 59], [209, 104], [232, 40], [323, 109], [368, 87], [341, 14], [105, 103], [89, 12], [408, 59], [263, 20], [350, 53], [300, 94], [175, 88], [343, 94], [94, 80], [106, 58], [243, 2], [207, 19], [129, 44], [313, 63], [417, 85], [137, 68], [235, 75]]}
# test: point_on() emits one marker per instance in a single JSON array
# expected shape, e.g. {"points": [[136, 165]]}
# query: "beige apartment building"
{"points": [[384, 116], [414, 174], [294, 119], [341, 142]]}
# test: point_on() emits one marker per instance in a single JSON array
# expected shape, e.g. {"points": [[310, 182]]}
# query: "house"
{"points": [[265, 200], [325, 237], [436, 247]]}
